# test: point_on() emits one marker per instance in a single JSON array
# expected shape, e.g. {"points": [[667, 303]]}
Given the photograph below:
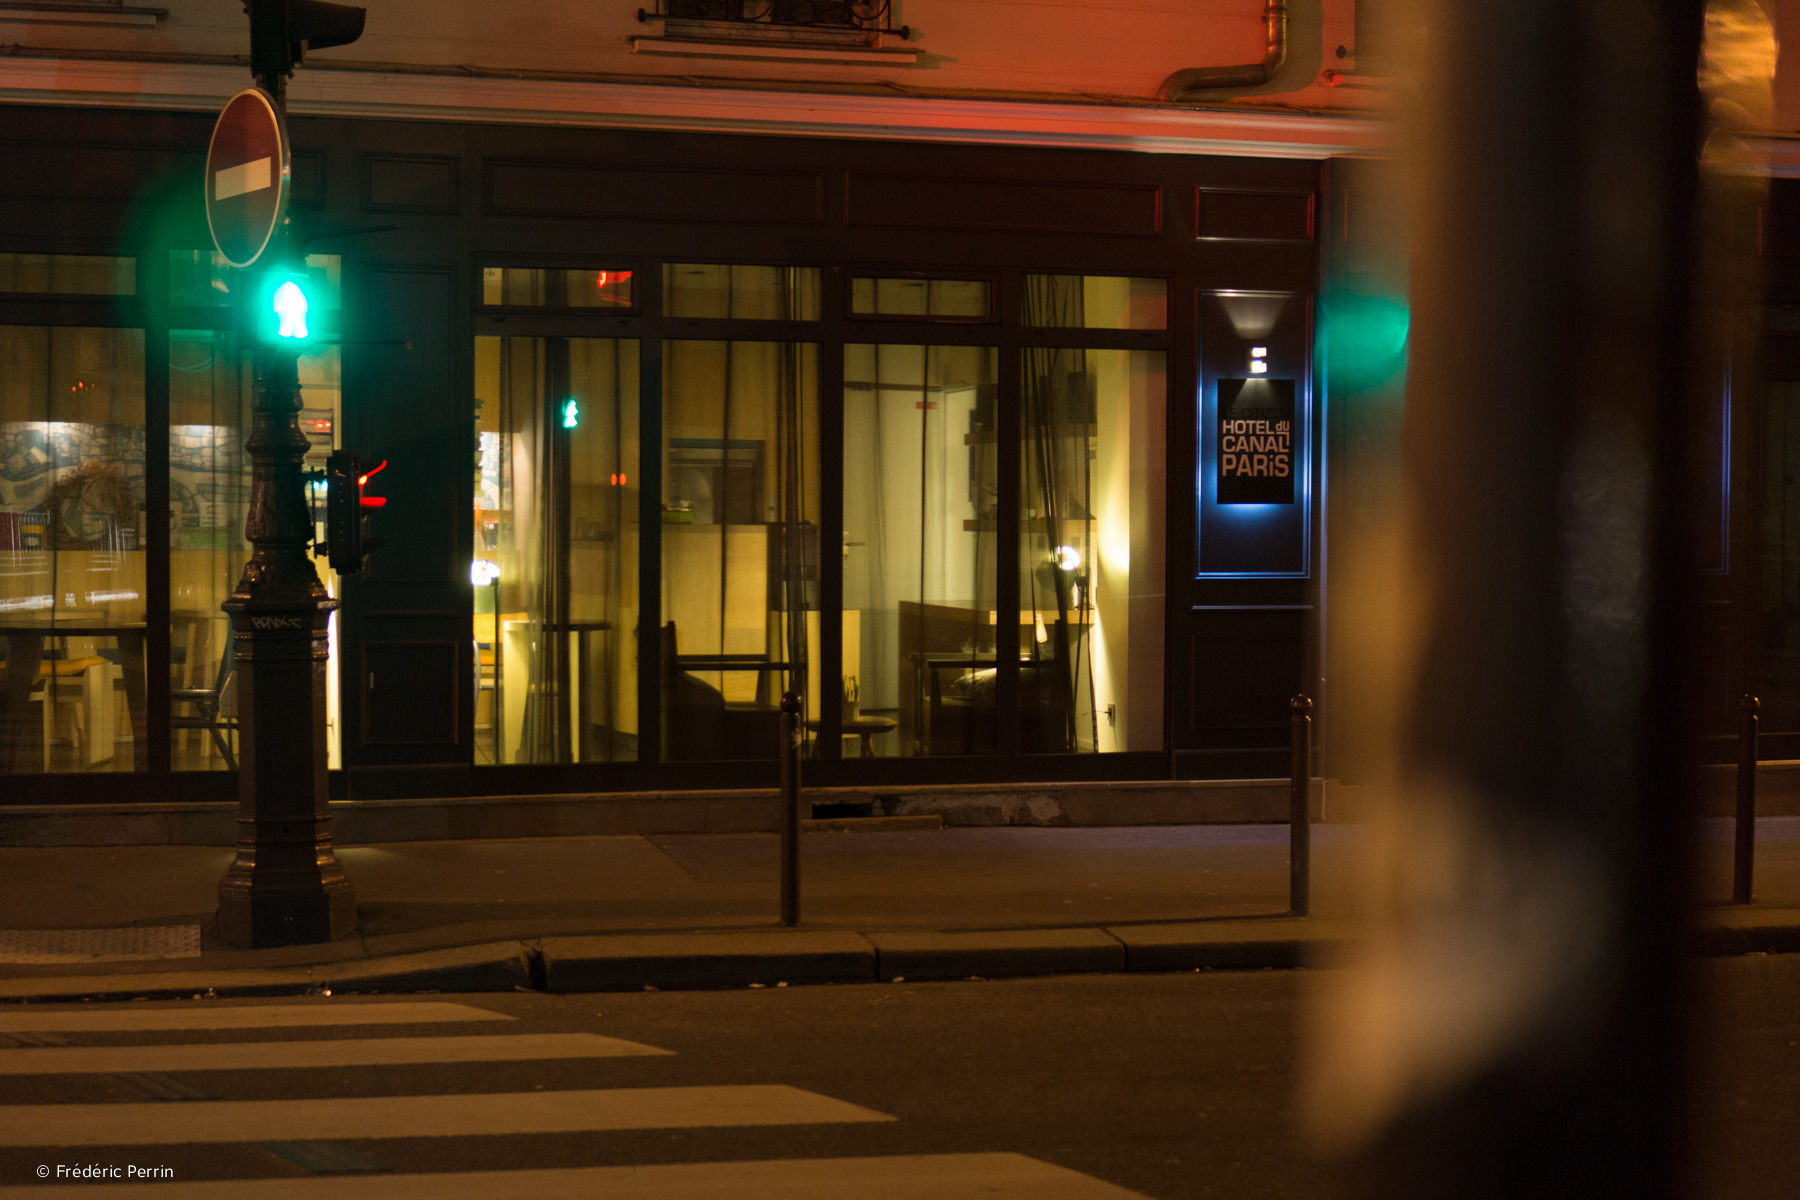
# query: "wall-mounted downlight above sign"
{"points": [[1259, 360], [1256, 441]]}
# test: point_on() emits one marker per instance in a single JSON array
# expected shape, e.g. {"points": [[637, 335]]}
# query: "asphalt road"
{"points": [[1171, 1086]]}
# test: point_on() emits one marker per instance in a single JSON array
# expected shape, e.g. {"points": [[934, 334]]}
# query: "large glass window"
{"points": [[920, 517], [937, 299], [741, 292], [72, 607], [737, 479], [740, 541], [68, 274], [538, 287], [555, 567], [1096, 302]]}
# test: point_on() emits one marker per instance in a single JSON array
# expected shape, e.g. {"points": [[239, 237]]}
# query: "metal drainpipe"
{"points": [[1183, 84]]}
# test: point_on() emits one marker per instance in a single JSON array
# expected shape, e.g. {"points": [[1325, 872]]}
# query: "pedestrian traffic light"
{"points": [[283, 314], [347, 539], [282, 31]]}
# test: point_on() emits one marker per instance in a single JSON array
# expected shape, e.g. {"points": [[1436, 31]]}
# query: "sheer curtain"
{"points": [[1058, 428]]}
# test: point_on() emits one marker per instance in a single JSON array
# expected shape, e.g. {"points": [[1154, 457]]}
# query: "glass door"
{"points": [[921, 511], [740, 542]]}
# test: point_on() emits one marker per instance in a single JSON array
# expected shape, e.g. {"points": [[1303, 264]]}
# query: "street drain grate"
{"points": [[327, 1158], [99, 945]]}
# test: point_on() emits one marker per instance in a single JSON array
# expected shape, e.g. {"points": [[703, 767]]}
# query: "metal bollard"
{"points": [[1743, 864], [1300, 810], [792, 729]]}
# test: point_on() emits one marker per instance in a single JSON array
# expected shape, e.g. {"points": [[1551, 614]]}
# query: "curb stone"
{"points": [[992, 953], [630, 961], [1199, 945], [1731, 929]]}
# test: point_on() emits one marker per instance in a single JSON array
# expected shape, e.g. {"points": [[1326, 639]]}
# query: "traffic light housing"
{"points": [[347, 539], [282, 31]]}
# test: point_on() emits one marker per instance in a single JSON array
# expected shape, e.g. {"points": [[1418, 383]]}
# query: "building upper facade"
{"points": [[1063, 73]]}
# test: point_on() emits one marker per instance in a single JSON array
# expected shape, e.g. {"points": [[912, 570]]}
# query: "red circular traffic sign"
{"points": [[247, 170]]}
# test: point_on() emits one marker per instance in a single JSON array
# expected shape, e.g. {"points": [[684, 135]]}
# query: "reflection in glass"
{"points": [[1096, 302], [920, 515], [203, 279], [72, 549], [538, 287], [556, 550], [68, 274], [739, 292], [967, 299], [209, 496], [740, 541]]}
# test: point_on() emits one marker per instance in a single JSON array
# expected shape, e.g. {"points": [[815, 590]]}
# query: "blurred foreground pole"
{"points": [[1518, 1027]]}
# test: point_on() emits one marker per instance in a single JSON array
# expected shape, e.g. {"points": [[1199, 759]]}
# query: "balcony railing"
{"points": [[749, 17]]}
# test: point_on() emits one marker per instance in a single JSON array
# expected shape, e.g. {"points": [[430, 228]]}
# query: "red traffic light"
{"points": [[347, 539], [361, 480]]}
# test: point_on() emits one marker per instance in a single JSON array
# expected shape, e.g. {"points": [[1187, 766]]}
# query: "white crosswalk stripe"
{"points": [[918, 1177], [358, 1052], [307, 1131], [420, 1116], [139, 1018]]}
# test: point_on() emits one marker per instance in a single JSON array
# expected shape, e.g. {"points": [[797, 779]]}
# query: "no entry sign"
{"points": [[246, 176]]}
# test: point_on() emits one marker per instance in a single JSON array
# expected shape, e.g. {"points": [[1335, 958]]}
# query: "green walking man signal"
{"points": [[285, 316]]}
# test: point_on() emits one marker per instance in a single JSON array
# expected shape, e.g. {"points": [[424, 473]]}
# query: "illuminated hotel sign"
{"points": [[1256, 441]]}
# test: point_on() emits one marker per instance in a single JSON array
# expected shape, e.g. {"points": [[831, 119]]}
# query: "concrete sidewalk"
{"points": [[598, 913]]}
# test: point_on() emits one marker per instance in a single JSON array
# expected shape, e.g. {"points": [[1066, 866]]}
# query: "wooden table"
{"points": [[864, 729], [21, 738]]}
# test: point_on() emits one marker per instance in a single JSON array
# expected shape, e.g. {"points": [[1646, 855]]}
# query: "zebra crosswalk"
{"points": [[308, 1129]]}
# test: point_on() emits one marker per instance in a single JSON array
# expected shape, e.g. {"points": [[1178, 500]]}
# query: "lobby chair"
{"points": [[214, 708], [699, 724], [76, 695]]}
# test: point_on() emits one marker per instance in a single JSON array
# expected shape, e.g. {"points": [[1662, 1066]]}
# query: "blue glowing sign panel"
{"points": [[1256, 441], [1253, 518]]}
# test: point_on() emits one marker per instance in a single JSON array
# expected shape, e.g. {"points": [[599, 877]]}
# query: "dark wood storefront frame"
{"points": [[476, 221]]}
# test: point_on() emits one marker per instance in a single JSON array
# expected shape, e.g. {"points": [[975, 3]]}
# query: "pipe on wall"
{"points": [[1183, 84]]}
